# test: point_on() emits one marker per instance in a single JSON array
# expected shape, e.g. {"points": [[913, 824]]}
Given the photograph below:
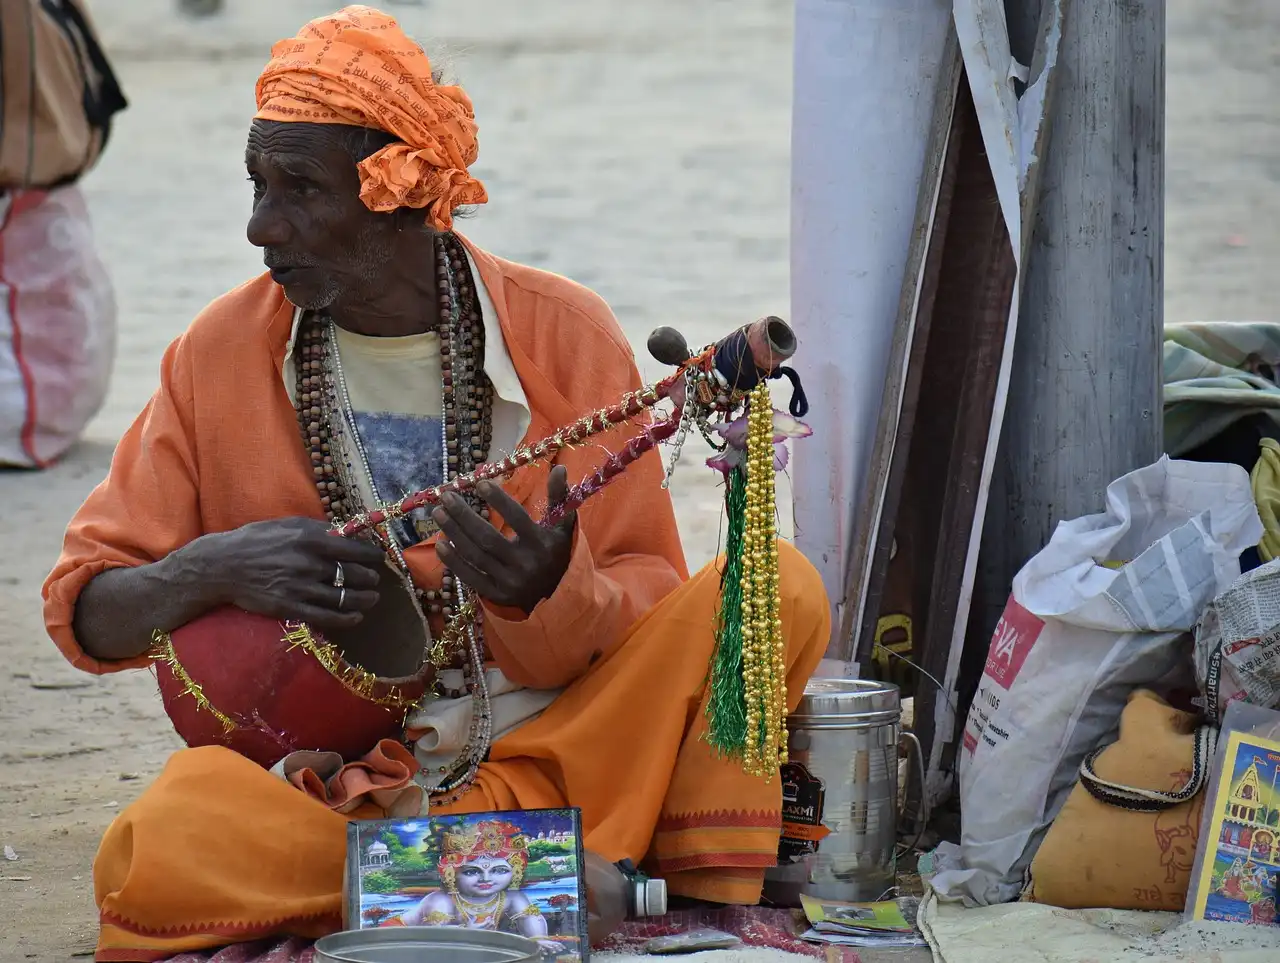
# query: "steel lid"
{"points": [[847, 702], [413, 944]]}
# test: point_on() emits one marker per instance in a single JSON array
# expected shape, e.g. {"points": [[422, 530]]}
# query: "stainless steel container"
{"points": [[425, 944], [840, 794]]}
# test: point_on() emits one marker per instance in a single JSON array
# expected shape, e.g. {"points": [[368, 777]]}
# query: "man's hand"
{"points": [[283, 568], [288, 568], [518, 572]]}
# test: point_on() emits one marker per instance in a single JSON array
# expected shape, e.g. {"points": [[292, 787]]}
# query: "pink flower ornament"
{"points": [[734, 435]]}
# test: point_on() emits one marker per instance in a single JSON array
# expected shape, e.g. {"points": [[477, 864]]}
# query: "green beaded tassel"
{"points": [[727, 707]]}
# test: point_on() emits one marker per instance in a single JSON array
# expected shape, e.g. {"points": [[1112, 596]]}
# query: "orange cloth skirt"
{"points": [[219, 850]]}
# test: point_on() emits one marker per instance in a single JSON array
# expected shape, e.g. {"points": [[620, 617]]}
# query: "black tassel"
{"points": [[799, 406]]}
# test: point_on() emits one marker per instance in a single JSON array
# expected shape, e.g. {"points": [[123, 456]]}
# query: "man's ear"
{"points": [[410, 219]]}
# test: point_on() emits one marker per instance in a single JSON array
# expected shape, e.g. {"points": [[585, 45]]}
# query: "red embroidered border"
{"points": [[236, 931], [721, 819], [132, 956]]}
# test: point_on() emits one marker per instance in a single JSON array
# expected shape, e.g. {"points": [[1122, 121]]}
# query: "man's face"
{"points": [[483, 878], [320, 242]]}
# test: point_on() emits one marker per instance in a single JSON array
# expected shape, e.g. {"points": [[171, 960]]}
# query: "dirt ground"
{"points": [[641, 148]]}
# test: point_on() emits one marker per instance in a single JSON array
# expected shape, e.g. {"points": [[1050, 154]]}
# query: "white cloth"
{"points": [[447, 722], [1039, 933]]}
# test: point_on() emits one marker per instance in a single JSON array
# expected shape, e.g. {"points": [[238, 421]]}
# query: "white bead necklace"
{"points": [[457, 777]]}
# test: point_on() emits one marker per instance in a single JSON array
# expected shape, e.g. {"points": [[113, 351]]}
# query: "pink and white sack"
{"points": [[57, 325], [1106, 607]]}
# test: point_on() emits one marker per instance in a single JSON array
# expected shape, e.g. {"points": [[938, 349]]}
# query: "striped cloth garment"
{"points": [[1215, 373]]}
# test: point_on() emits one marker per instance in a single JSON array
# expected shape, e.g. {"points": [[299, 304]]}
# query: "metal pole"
{"points": [[865, 81], [1084, 399]]}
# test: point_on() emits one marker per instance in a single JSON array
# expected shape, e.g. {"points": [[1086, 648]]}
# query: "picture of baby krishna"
{"points": [[481, 872]]}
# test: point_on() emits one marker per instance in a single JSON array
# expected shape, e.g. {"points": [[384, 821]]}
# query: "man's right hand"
{"points": [[287, 568]]}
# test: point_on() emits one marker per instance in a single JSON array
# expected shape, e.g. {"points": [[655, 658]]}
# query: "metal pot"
{"points": [[840, 794], [426, 944]]}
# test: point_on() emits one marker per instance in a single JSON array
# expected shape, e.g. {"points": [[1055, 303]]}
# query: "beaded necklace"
{"points": [[322, 402]]}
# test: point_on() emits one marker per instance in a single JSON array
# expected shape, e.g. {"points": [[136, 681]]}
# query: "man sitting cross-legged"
{"points": [[379, 322]]}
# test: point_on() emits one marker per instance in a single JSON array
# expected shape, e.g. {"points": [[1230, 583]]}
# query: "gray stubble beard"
{"points": [[373, 252]]}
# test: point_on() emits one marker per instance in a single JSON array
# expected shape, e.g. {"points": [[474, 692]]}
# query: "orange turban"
{"points": [[358, 67]]}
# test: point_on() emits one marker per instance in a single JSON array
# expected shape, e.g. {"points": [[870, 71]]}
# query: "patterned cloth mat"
{"points": [[756, 926]]}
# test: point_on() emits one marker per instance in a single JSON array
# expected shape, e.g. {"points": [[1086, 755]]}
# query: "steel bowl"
{"points": [[426, 944]]}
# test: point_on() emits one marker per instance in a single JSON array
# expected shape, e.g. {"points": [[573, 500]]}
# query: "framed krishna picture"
{"points": [[518, 872]]}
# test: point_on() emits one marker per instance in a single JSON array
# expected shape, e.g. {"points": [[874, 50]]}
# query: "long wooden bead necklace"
{"points": [[322, 402]]}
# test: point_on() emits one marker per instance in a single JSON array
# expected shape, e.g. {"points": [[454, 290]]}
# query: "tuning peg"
{"points": [[668, 345]]}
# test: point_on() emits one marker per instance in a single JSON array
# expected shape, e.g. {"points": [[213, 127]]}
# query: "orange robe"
{"points": [[219, 850]]}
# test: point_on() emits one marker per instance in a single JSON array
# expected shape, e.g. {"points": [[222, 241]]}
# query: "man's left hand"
{"points": [[520, 571]]}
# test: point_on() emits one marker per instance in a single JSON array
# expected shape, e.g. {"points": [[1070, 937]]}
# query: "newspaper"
{"points": [[1237, 651], [888, 923]]}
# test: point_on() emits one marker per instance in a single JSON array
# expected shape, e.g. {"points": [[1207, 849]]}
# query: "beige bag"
{"points": [[58, 93], [1126, 837]]}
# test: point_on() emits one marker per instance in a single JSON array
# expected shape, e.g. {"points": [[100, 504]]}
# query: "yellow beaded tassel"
{"points": [[763, 653]]}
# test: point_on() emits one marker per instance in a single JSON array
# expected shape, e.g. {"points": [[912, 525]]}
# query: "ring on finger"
{"points": [[342, 597], [340, 577]]}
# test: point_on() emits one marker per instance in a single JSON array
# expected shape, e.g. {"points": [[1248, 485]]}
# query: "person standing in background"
{"points": [[57, 307], [200, 8]]}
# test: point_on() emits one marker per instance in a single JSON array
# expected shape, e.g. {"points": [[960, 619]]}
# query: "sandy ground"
{"points": [[641, 148]]}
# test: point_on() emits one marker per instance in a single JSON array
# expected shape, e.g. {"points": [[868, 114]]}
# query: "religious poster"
{"points": [[1237, 876], [518, 872]]}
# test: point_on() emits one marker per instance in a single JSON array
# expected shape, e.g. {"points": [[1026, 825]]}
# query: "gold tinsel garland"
{"points": [[353, 678], [297, 635], [452, 639], [162, 651], [764, 669]]}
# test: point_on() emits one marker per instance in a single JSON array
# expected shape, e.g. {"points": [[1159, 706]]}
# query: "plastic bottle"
{"points": [[617, 892]]}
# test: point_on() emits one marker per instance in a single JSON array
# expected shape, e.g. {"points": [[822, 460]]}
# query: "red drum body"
{"points": [[265, 688]]}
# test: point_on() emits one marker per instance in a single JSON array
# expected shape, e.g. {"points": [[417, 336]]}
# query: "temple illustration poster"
{"points": [[517, 872], [1237, 881]]}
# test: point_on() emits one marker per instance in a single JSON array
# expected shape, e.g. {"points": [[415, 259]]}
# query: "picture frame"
{"points": [[1238, 856], [518, 872]]}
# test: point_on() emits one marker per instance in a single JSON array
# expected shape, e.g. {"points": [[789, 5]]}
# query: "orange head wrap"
{"points": [[358, 67]]}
